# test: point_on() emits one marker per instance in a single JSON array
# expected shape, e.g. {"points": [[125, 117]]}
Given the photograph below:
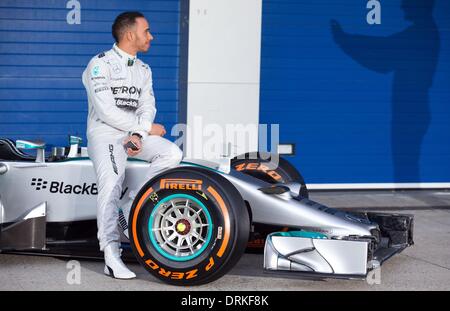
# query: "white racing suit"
{"points": [[121, 102]]}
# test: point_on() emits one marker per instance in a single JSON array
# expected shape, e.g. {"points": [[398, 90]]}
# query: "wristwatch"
{"points": [[137, 134]]}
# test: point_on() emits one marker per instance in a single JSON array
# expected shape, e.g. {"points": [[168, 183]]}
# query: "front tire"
{"points": [[188, 226]]}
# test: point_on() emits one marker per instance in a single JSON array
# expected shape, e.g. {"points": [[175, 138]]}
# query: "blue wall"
{"points": [[42, 58], [360, 109]]}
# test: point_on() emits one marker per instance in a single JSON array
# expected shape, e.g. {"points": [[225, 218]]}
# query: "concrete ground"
{"points": [[425, 266]]}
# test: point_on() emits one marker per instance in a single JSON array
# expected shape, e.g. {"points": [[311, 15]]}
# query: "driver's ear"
{"points": [[130, 35]]}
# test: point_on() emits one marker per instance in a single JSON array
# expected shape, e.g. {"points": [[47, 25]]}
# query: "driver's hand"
{"points": [[157, 129], [137, 141]]}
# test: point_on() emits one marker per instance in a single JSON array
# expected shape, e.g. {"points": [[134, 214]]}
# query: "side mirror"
{"points": [[38, 145], [74, 142]]}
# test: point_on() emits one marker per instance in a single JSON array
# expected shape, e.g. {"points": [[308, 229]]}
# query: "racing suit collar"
{"points": [[126, 58]]}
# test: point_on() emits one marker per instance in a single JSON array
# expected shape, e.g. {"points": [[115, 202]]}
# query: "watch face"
{"points": [[137, 134]]}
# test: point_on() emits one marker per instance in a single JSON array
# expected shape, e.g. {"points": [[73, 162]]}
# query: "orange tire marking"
{"points": [[136, 213], [226, 216]]}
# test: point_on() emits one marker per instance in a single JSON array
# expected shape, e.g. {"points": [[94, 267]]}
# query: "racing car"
{"points": [[191, 224]]}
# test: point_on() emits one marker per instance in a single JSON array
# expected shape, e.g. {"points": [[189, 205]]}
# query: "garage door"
{"points": [[365, 101], [44, 48]]}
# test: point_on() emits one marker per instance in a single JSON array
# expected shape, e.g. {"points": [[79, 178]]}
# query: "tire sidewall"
{"points": [[227, 235], [263, 166]]}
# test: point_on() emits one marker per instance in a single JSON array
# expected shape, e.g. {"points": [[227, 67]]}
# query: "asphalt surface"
{"points": [[424, 266]]}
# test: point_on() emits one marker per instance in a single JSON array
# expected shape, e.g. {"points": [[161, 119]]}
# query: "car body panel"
{"points": [[340, 243]]}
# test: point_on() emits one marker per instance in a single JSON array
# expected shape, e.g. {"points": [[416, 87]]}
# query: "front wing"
{"points": [[313, 253]]}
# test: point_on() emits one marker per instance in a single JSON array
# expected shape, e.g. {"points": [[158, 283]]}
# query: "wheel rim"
{"points": [[180, 227]]}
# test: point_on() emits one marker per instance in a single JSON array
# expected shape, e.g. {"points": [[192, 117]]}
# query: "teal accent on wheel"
{"points": [[177, 230]]}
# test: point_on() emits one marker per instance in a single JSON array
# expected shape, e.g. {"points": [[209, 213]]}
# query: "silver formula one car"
{"points": [[191, 224]]}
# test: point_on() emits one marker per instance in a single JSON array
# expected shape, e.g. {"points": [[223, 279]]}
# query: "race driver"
{"points": [[121, 114]]}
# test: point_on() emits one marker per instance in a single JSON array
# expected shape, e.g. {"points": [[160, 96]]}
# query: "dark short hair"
{"points": [[124, 21]]}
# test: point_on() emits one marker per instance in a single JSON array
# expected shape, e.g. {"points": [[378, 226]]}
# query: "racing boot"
{"points": [[114, 265]]}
